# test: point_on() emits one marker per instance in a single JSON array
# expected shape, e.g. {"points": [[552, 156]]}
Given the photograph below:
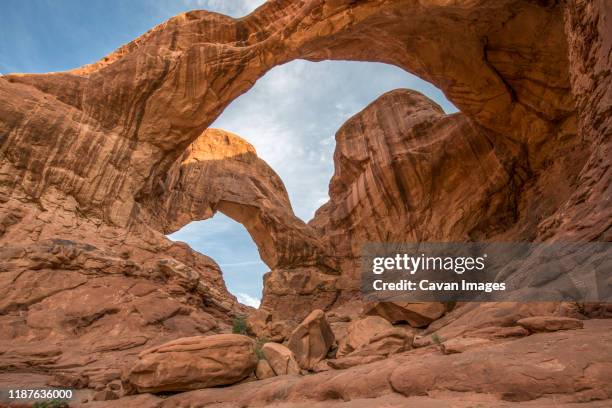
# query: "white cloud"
{"points": [[234, 8], [245, 263], [248, 300]]}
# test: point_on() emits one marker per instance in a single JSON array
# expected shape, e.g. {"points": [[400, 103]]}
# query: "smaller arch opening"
{"points": [[230, 245]]}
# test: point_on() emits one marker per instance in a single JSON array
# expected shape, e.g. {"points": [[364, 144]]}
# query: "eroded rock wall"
{"points": [[587, 215]]}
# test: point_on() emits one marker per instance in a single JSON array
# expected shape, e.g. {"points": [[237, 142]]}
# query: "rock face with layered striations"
{"points": [[90, 308], [98, 163]]}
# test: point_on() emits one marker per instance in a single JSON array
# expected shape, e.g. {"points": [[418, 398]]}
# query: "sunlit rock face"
{"points": [[98, 163], [221, 172]]}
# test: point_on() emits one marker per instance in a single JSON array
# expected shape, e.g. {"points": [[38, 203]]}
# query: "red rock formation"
{"points": [[120, 124], [493, 376], [402, 170], [221, 172], [99, 162], [81, 312], [280, 358], [587, 214]]}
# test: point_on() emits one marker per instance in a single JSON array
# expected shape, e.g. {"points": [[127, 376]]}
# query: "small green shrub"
{"points": [[258, 345], [239, 325], [437, 340]]}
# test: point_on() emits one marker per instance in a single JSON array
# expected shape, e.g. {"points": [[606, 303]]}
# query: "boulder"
{"points": [[321, 366], [261, 324], [257, 322], [311, 340], [193, 362], [352, 361], [417, 314], [496, 332], [461, 344], [105, 395], [421, 341], [386, 343], [359, 333], [474, 319], [550, 323], [373, 335], [263, 370], [281, 359]]}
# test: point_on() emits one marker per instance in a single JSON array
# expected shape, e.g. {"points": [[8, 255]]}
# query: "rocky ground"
{"points": [[97, 164], [542, 361]]}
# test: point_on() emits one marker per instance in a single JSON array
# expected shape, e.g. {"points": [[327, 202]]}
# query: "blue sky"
{"points": [[290, 115]]}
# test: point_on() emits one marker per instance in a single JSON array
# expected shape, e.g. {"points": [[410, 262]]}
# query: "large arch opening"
{"points": [[290, 116]]}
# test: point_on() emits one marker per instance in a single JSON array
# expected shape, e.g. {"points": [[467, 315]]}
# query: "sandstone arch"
{"points": [[140, 107], [90, 158], [221, 172]]}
